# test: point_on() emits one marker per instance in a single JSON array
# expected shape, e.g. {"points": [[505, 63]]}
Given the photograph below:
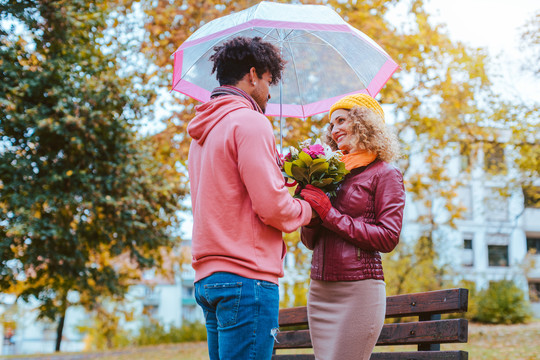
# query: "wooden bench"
{"points": [[427, 333]]}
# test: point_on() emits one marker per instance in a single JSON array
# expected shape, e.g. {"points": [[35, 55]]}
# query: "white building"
{"points": [[169, 302], [500, 233]]}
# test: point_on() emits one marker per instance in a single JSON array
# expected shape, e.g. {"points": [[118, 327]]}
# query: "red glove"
{"points": [[317, 199]]}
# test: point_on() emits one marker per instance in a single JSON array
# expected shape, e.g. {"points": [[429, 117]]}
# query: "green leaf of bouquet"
{"points": [[317, 161], [318, 168], [299, 163], [287, 168], [321, 183], [326, 181], [305, 158], [300, 174]]}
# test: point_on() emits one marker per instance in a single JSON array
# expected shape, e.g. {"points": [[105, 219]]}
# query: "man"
{"points": [[239, 202]]}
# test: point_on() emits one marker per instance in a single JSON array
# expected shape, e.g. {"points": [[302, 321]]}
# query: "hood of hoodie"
{"points": [[211, 113]]}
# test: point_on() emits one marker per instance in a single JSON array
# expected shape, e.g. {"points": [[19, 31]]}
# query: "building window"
{"points": [[468, 256], [534, 290], [465, 197], [188, 292], [151, 311], [494, 160], [465, 154], [496, 206], [498, 255], [533, 244], [531, 196]]}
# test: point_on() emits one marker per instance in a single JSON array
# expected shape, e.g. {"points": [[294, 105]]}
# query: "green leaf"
{"points": [[321, 183], [300, 174], [287, 168], [318, 161], [305, 158], [319, 168]]}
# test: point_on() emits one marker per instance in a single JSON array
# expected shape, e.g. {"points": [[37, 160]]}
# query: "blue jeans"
{"points": [[241, 316]]}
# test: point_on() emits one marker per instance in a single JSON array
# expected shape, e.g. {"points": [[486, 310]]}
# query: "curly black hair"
{"points": [[234, 58]]}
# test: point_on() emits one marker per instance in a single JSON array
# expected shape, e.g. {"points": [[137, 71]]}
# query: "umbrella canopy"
{"points": [[326, 57]]}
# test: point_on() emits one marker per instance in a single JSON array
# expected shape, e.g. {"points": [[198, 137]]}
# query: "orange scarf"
{"points": [[358, 159]]}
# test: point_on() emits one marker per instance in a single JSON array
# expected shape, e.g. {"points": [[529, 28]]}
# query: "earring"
{"points": [[254, 83]]}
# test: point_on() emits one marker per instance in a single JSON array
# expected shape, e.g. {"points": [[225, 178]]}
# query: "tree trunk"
{"points": [[60, 330]]}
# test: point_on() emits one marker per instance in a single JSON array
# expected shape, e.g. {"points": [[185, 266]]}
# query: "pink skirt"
{"points": [[345, 318]]}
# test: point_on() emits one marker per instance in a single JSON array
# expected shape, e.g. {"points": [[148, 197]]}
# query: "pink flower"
{"points": [[287, 157], [314, 150]]}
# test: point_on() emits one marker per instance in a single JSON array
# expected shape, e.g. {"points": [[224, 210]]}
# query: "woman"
{"points": [[347, 297]]}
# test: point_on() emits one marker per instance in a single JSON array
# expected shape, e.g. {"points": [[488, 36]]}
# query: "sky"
{"points": [[495, 25]]}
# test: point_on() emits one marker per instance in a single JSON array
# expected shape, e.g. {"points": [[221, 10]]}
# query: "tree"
{"points": [[530, 44], [442, 103], [84, 206], [503, 302]]}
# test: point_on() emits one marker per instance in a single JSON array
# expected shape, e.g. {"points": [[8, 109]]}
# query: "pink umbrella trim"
{"points": [[203, 95]]}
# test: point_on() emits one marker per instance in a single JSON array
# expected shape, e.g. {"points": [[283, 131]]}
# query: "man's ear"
{"points": [[253, 76]]}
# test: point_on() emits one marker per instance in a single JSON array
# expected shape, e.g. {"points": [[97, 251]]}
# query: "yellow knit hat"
{"points": [[362, 100]]}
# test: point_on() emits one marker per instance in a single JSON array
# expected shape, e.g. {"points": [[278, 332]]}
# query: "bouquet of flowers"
{"points": [[315, 164]]}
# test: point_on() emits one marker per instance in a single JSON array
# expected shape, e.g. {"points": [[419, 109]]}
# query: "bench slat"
{"points": [[409, 355], [293, 316], [294, 357], [298, 339], [435, 302], [432, 302], [424, 332], [417, 355]]}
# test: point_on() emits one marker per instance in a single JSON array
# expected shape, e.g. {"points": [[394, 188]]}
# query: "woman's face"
{"points": [[340, 128]]}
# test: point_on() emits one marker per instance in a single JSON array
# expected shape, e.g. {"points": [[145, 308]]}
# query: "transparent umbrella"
{"points": [[326, 57]]}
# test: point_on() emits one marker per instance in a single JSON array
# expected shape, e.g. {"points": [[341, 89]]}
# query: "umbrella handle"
{"points": [[280, 120], [280, 105]]}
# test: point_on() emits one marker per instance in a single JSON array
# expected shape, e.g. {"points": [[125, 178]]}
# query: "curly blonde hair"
{"points": [[370, 133]]}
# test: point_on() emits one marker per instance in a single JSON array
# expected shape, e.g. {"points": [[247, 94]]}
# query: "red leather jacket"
{"points": [[365, 219]]}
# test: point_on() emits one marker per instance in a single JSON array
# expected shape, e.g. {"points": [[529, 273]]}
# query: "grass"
{"points": [[517, 342], [486, 342]]}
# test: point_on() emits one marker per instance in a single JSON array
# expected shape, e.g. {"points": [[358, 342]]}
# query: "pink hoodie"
{"points": [[239, 202]]}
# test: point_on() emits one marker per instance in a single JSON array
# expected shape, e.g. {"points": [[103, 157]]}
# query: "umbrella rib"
{"points": [[267, 34], [216, 41], [326, 43], [344, 59]]}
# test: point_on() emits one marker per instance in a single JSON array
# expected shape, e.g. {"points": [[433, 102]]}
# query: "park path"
{"points": [[93, 355]]}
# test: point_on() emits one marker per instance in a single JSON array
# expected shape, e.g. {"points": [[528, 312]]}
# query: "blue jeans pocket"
{"points": [[227, 297], [268, 284]]}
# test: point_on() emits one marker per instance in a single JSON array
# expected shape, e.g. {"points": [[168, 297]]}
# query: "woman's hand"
{"points": [[317, 199]]}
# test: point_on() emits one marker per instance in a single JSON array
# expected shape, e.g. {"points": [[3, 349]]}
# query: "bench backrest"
{"points": [[428, 332]]}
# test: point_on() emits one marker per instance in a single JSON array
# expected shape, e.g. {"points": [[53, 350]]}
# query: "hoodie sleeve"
{"points": [[262, 177]]}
